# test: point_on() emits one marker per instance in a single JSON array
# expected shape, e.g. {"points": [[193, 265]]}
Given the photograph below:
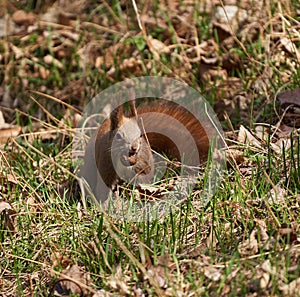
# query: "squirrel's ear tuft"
{"points": [[116, 118], [132, 108]]}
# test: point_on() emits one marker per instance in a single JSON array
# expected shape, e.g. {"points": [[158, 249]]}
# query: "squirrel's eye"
{"points": [[118, 136]]}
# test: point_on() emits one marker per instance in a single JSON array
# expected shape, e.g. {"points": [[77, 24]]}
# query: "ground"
{"points": [[55, 56]]}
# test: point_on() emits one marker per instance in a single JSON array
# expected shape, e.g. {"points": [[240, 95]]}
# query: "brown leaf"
{"points": [[284, 131], [5, 134], [212, 273], [118, 282], [157, 273], [74, 280], [235, 156], [249, 246], [7, 130], [59, 260], [50, 60], [9, 216], [212, 74], [246, 137], [288, 234], [18, 52], [44, 73], [231, 61], [291, 97], [267, 269], [8, 178], [22, 18], [159, 46], [277, 195], [290, 47], [223, 30], [292, 289], [4, 206]]}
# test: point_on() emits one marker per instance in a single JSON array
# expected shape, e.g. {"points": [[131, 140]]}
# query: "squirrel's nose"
{"points": [[135, 146]]}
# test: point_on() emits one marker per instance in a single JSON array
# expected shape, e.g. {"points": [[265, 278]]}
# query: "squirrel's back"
{"points": [[173, 130]]}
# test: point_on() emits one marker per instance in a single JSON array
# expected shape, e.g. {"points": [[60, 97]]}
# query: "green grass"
{"points": [[51, 224]]}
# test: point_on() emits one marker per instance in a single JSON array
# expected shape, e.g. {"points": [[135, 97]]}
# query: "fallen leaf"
{"points": [[4, 206], [74, 280], [8, 178], [7, 130], [22, 18], [288, 234], [249, 246], [292, 289], [246, 137], [9, 216], [284, 131], [157, 273], [290, 47], [59, 260], [235, 156], [265, 275], [212, 273], [231, 61], [50, 60], [212, 74], [290, 97], [132, 65], [159, 46], [118, 282], [277, 195]]}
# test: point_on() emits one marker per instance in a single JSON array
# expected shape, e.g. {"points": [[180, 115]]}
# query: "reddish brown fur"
{"points": [[160, 142]]}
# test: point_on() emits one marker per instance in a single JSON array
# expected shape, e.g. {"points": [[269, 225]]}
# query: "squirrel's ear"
{"points": [[132, 108], [116, 118]]}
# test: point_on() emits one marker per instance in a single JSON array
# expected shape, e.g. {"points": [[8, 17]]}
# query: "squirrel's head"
{"points": [[128, 147], [127, 140]]}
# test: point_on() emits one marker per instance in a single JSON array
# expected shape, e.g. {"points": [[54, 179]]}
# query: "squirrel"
{"points": [[122, 147]]}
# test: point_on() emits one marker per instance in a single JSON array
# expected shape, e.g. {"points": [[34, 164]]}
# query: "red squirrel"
{"points": [[121, 149]]}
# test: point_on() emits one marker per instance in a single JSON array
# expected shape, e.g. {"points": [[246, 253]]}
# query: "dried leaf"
{"points": [[59, 260], [292, 289], [212, 273], [8, 178], [290, 47], [9, 216], [265, 276], [288, 234], [7, 130], [22, 18], [18, 52], [235, 156], [4, 206], [74, 280], [249, 246], [44, 73], [212, 74], [284, 131], [246, 137], [231, 61], [159, 46], [50, 60], [117, 282], [277, 195], [291, 97], [132, 65], [157, 273]]}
